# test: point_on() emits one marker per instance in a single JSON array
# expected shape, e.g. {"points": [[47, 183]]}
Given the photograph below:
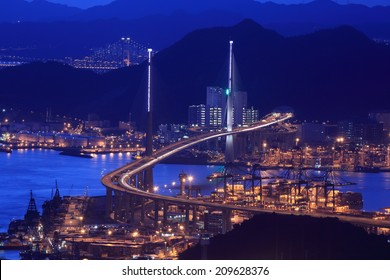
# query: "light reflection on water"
{"points": [[38, 170]]}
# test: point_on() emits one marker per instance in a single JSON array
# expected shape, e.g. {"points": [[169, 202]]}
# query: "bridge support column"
{"points": [[156, 208], [187, 218], [108, 202], [132, 209], [142, 202], [165, 213], [194, 217], [326, 195], [148, 179], [126, 197], [117, 205]]}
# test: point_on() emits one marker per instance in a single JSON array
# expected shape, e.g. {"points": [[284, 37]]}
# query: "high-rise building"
{"points": [[197, 115], [216, 97], [214, 117], [362, 131], [240, 100], [250, 116], [213, 222]]}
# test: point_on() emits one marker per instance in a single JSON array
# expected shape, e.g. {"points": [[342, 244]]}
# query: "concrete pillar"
{"points": [[187, 217], [194, 217], [156, 207], [142, 201], [132, 208], [183, 179], [165, 213], [126, 197], [148, 179], [108, 201], [117, 206]]}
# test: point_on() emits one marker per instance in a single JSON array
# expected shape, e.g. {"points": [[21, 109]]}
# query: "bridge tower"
{"points": [[148, 175], [229, 150]]}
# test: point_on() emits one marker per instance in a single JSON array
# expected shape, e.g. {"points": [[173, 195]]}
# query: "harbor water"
{"points": [[38, 171]]}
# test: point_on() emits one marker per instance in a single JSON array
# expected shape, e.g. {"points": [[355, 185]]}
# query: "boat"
{"points": [[76, 153], [137, 155]]}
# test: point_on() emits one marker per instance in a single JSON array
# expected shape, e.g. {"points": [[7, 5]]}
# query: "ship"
{"points": [[75, 153], [137, 155]]}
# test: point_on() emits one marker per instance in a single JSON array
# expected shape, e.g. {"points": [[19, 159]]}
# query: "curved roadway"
{"points": [[119, 178]]}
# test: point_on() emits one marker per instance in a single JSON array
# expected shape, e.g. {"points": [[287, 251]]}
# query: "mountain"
{"points": [[130, 9], [75, 39], [290, 19], [329, 74], [161, 23], [37, 10]]}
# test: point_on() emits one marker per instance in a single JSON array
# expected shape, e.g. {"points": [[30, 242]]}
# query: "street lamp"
{"points": [[190, 178]]}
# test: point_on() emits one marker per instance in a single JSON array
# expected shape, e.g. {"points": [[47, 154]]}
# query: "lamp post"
{"points": [[297, 141], [190, 178]]}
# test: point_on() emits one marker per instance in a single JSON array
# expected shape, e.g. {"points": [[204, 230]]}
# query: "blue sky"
{"points": [[89, 3]]}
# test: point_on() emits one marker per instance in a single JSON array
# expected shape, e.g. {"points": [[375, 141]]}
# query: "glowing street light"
{"points": [[190, 179]]}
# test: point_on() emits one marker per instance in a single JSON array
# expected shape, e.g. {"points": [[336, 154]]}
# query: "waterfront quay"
{"points": [[86, 235], [82, 233]]}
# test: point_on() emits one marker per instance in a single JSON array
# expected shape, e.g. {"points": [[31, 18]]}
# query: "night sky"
{"points": [[89, 3]]}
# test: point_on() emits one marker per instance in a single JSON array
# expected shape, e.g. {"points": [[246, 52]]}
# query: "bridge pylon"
{"points": [[229, 149], [148, 175]]}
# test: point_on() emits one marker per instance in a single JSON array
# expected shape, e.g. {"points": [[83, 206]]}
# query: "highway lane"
{"points": [[119, 179]]}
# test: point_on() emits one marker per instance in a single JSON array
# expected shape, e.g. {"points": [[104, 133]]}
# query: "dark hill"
{"points": [[37, 10], [330, 74], [271, 236], [55, 31]]}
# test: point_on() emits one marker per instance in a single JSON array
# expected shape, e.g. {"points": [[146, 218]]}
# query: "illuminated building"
{"points": [[213, 222], [214, 117], [197, 115], [250, 116], [361, 131], [240, 100]]}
